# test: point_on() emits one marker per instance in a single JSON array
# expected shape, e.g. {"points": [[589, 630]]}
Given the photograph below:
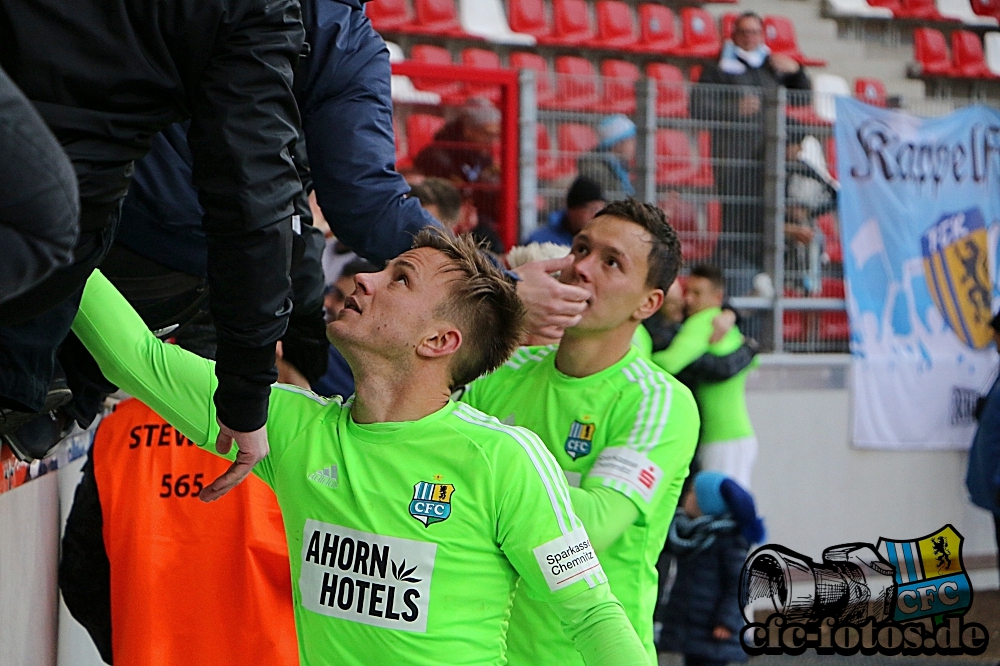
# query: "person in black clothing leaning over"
{"points": [[749, 70], [106, 76]]}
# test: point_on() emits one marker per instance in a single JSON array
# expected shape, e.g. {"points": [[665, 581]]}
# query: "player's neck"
{"points": [[384, 395], [582, 354]]}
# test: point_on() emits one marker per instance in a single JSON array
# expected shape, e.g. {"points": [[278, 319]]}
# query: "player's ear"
{"points": [[650, 304], [443, 341]]}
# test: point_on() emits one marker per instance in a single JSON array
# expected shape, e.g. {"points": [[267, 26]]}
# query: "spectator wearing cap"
{"points": [[610, 164], [583, 200], [983, 477], [709, 537]]}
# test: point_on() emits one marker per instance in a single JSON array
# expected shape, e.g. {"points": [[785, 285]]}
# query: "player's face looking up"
{"points": [[611, 261], [391, 314], [701, 294]]}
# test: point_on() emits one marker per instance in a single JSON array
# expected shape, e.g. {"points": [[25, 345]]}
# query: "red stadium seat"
{"points": [[779, 35], [675, 162], [831, 156], [390, 15], [987, 8], [828, 225], [551, 166], [545, 94], [528, 17], [794, 322], [657, 32], [576, 84], [450, 91], [697, 226], [728, 23], [967, 56], [923, 10], [420, 131], [671, 91], [895, 6], [482, 59], [871, 91], [833, 325], [571, 22], [615, 27], [574, 140], [700, 38], [931, 52], [618, 95], [438, 17]]}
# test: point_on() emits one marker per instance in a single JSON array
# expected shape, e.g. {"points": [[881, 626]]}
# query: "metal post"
{"points": [[528, 153], [645, 149], [774, 207]]}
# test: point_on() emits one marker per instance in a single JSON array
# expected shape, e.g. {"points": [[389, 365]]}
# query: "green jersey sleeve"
{"points": [[177, 384], [600, 630], [648, 460], [689, 344]]}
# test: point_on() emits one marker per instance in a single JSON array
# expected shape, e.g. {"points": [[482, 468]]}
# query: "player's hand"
{"points": [[251, 449], [552, 306], [721, 634], [722, 323]]}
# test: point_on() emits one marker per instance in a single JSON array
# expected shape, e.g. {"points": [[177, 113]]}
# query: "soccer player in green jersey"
{"points": [[622, 431], [727, 443], [409, 518]]}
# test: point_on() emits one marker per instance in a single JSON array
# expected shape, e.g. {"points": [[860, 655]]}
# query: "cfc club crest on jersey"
{"points": [[431, 502], [580, 440]]}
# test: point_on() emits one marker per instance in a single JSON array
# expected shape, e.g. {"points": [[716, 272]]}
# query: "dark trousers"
{"points": [[691, 660], [35, 324]]}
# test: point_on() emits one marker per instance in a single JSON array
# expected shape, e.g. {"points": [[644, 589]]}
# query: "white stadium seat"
{"points": [[486, 19], [991, 41], [856, 8], [825, 88], [962, 10]]}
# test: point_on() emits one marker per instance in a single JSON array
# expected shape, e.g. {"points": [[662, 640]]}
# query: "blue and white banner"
{"points": [[920, 217]]}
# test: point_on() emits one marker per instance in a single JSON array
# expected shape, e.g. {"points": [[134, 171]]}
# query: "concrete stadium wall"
{"points": [[813, 489]]}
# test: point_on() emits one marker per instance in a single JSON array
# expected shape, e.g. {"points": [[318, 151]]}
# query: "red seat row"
{"points": [[830, 326], [920, 10], [967, 58], [428, 17], [779, 35]]}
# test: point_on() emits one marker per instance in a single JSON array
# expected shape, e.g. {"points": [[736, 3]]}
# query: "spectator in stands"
{"points": [[727, 443], [462, 152], [809, 193], [983, 476], [747, 65], [583, 200], [610, 165], [710, 536], [442, 199], [338, 379]]}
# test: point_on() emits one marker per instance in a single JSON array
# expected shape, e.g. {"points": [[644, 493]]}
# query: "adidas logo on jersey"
{"points": [[325, 477]]}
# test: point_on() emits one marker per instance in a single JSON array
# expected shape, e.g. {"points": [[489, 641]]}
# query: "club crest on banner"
{"points": [[431, 502], [930, 576], [580, 440], [955, 255]]}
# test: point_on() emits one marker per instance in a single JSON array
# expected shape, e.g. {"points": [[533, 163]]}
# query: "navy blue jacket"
{"points": [[983, 477], [704, 596]]}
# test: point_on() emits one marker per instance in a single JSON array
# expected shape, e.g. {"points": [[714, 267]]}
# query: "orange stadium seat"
{"points": [[545, 94], [657, 30], [576, 84], [871, 91], [528, 17], [450, 91], [571, 22], [931, 52], [618, 95], [438, 17], [700, 37], [390, 15], [967, 56], [727, 24], [615, 27], [482, 59], [779, 35], [420, 131], [671, 91]]}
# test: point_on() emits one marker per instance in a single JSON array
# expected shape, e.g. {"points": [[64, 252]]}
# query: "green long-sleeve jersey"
{"points": [[406, 539], [629, 428]]}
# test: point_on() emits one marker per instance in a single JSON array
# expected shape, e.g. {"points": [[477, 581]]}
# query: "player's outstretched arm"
{"points": [[687, 346], [600, 630]]}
